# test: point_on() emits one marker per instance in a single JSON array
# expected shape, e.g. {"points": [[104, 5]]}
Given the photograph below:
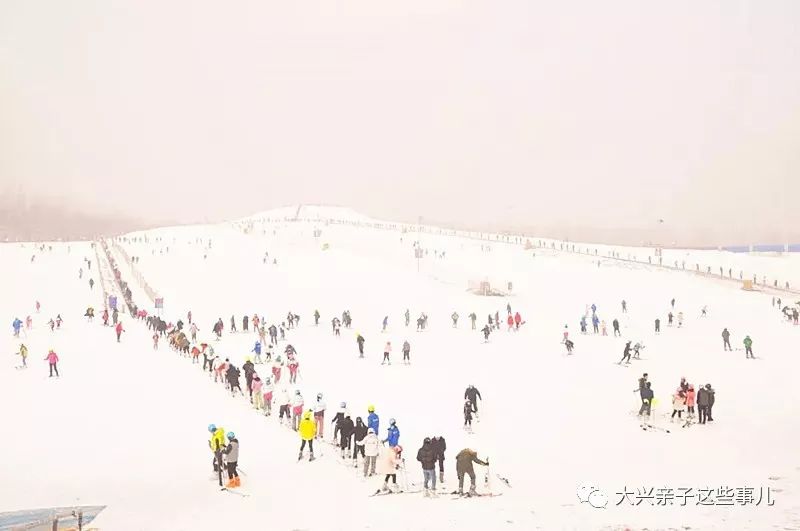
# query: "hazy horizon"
{"points": [[521, 114]]}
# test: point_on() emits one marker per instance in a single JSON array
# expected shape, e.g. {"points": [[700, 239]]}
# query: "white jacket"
{"points": [[284, 398], [267, 388], [319, 406], [371, 444], [297, 401]]}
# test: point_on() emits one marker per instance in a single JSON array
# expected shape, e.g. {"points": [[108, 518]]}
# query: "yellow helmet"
{"points": [[371, 408], [307, 415]]}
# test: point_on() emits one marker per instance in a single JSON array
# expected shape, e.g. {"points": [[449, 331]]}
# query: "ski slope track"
{"points": [[125, 425]]}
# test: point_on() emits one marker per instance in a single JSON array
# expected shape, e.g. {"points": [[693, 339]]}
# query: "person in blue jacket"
{"points": [[17, 325], [393, 435], [257, 350], [372, 419]]}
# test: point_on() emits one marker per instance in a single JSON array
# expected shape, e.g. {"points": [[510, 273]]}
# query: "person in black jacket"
{"points": [[232, 375], [346, 429], [360, 341], [626, 354], [249, 369], [427, 457], [359, 432], [472, 394], [711, 393], [647, 397], [702, 404], [440, 446]]}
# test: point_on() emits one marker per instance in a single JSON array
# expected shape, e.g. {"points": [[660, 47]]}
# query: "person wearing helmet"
{"points": [[426, 455], [359, 432], [370, 446], [392, 434], [249, 369], [388, 463], [257, 350], [216, 442], [464, 461], [23, 352], [297, 409], [284, 401], [231, 453], [346, 429], [319, 415], [372, 419], [267, 389], [307, 431]]}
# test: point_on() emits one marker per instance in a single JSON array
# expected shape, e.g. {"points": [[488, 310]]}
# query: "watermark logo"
{"points": [[593, 496]]}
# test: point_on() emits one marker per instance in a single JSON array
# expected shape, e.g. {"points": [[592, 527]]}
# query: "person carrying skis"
{"points": [[372, 419], [439, 447], [231, 453], [216, 442], [472, 394], [406, 352], [307, 432], [464, 461], [23, 352], [119, 330], [360, 341], [297, 410], [426, 455], [319, 415], [370, 446], [249, 370], [392, 434], [387, 349], [454, 317], [468, 415], [748, 347], [359, 432]]}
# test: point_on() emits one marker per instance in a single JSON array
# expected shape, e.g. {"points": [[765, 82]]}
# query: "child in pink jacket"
{"points": [[52, 359]]}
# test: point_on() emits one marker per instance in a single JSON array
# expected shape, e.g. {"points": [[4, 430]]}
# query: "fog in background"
{"points": [[580, 119]]}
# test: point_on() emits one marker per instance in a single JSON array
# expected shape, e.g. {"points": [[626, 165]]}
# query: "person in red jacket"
{"points": [[517, 319], [52, 359], [510, 322], [105, 317], [119, 330]]}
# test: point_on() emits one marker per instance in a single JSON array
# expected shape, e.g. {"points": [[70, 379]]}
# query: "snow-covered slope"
{"points": [[125, 425]]}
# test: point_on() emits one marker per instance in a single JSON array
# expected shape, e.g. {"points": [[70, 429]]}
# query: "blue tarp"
{"points": [[46, 516]]}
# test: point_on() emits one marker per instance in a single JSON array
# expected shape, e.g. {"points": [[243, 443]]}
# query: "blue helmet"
{"points": [[212, 428], [231, 435]]}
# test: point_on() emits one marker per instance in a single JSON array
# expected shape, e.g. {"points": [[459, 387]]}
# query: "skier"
{"points": [[690, 401], [464, 461], [726, 339], [426, 455], [583, 324], [510, 322], [704, 311], [38, 306], [440, 446], [388, 463], [249, 370], [189, 316], [231, 453], [284, 409], [256, 396], [680, 319], [267, 390], [468, 415], [297, 410], [293, 366], [517, 320], [454, 317], [570, 345], [624, 306], [406, 352], [17, 325], [678, 404], [615, 324], [658, 325], [316, 317], [29, 320], [646, 394], [672, 303], [277, 365], [386, 351], [385, 323], [51, 324], [711, 395], [359, 432], [216, 442], [372, 419], [748, 347], [233, 325], [407, 316], [703, 399], [105, 317], [319, 415], [490, 321], [669, 319], [23, 352], [486, 331], [337, 328], [119, 330], [91, 283], [636, 348], [307, 432], [115, 316], [257, 350], [221, 371], [392, 434], [346, 429], [595, 323], [370, 446], [360, 341], [52, 360], [472, 318], [232, 375], [603, 330], [245, 324], [626, 354], [472, 394]]}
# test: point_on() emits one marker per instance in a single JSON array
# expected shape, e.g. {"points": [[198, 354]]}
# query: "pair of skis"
{"points": [[646, 426]]}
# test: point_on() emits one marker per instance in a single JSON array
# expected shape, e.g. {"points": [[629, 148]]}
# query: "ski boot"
{"points": [[311, 457], [300, 456], [231, 483], [427, 493], [385, 488], [441, 477], [472, 491]]}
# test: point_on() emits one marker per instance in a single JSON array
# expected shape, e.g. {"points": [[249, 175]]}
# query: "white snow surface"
{"points": [[125, 425]]}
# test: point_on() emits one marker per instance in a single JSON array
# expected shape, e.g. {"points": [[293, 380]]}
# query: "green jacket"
{"points": [[748, 342]]}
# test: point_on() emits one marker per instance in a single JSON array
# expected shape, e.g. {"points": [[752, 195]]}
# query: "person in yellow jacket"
{"points": [[307, 429], [216, 440], [23, 351]]}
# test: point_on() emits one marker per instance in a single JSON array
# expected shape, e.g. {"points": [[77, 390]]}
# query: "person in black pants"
{"points": [[703, 398], [658, 326], [439, 446], [726, 340], [711, 393]]}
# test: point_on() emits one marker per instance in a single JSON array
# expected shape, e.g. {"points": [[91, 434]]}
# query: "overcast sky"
{"points": [[615, 113]]}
